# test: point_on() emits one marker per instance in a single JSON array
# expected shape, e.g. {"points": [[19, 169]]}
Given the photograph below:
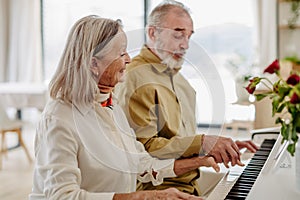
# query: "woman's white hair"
{"points": [[73, 80]]}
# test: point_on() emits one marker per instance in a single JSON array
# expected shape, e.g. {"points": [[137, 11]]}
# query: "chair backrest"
{"points": [[4, 119]]}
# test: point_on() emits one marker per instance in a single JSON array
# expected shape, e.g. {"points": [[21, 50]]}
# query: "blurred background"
{"points": [[233, 39]]}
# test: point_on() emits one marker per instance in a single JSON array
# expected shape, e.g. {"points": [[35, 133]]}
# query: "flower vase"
{"points": [[241, 92]]}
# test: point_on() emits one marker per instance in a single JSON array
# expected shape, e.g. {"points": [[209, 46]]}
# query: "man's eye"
{"points": [[178, 35]]}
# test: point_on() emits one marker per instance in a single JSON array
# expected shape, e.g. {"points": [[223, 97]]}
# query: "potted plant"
{"points": [[285, 97]]}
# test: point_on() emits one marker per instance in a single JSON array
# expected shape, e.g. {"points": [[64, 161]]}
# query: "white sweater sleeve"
{"points": [[153, 169]]}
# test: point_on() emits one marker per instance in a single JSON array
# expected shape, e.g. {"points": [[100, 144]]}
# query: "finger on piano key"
{"points": [[241, 182]]}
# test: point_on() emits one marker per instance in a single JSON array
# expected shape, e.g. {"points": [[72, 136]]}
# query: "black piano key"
{"points": [[236, 195], [259, 157], [241, 190], [249, 181], [235, 198], [242, 186], [249, 172], [252, 176], [256, 162], [253, 169], [244, 183], [245, 187]]}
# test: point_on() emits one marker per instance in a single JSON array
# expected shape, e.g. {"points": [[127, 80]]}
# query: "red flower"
{"points": [[294, 79], [295, 98], [252, 84], [273, 67], [250, 88]]}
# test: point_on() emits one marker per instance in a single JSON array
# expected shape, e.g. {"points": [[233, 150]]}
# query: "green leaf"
{"points": [[275, 104], [279, 120], [285, 131], [283, 91], [281, 107], [260, 96], [296, 120], [291, 148], [294, 136]]}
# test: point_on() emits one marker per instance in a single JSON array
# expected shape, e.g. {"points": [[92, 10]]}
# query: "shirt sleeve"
{"points": [[57, 165], [153, 169], [142, 114]]}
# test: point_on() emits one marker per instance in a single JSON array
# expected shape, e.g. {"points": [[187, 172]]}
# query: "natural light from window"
{"points": [[224, 29]]}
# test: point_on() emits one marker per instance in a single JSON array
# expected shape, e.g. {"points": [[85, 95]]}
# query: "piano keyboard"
{"points": [[237, 184]]}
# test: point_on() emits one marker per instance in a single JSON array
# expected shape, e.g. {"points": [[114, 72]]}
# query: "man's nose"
{"points": [[185, 43]]}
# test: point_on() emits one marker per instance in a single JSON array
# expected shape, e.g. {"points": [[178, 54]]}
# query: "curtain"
{"points": [[20, 40], [3, 38], [266, 26]]}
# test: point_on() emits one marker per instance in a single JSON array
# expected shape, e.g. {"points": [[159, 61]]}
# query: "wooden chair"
{"points": [[8, 125]]}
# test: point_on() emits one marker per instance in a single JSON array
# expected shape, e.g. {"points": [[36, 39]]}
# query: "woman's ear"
{"points": [[94, 66], [94, 62]]}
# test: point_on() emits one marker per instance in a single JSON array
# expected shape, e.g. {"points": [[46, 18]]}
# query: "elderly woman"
{"points": [[84, 146]]}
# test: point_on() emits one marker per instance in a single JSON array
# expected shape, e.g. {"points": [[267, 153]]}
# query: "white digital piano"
{"points": [[268, 175]]}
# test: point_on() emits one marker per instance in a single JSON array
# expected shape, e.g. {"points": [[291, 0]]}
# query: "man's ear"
{"points": [[151, 32]]}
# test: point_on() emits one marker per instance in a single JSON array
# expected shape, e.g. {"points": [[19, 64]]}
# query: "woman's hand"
{"points": [[188, 164], [167, 194], [173, 193], [208, 161]]}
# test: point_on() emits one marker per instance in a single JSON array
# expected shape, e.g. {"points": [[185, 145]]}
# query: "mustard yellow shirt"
{"points": [[160, 107]]}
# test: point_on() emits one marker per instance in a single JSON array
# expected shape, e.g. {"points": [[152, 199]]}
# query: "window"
{"points": [[60, 15], [224, 34]]}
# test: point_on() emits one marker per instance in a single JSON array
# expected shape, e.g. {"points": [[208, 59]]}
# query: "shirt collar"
{"points": [[155, 61], [84, 108]]}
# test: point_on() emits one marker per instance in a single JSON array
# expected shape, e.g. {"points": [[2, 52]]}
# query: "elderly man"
{"points": [[160, 103]]}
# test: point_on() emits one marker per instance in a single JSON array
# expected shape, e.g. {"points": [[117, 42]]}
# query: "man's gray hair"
{"points": [[156, 17]]}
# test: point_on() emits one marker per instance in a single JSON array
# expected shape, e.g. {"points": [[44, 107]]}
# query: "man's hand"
{"points": [[247, 144], [223, 149]]}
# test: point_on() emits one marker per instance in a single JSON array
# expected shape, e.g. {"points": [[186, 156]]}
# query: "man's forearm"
{"points": [[175, 147]]}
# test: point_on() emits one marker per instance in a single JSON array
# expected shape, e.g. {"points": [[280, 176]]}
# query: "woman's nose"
{"points": [[128, 59]]}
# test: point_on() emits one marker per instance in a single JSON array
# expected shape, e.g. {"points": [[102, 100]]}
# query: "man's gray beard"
{"points": [[171, 62], [166, 58]]}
